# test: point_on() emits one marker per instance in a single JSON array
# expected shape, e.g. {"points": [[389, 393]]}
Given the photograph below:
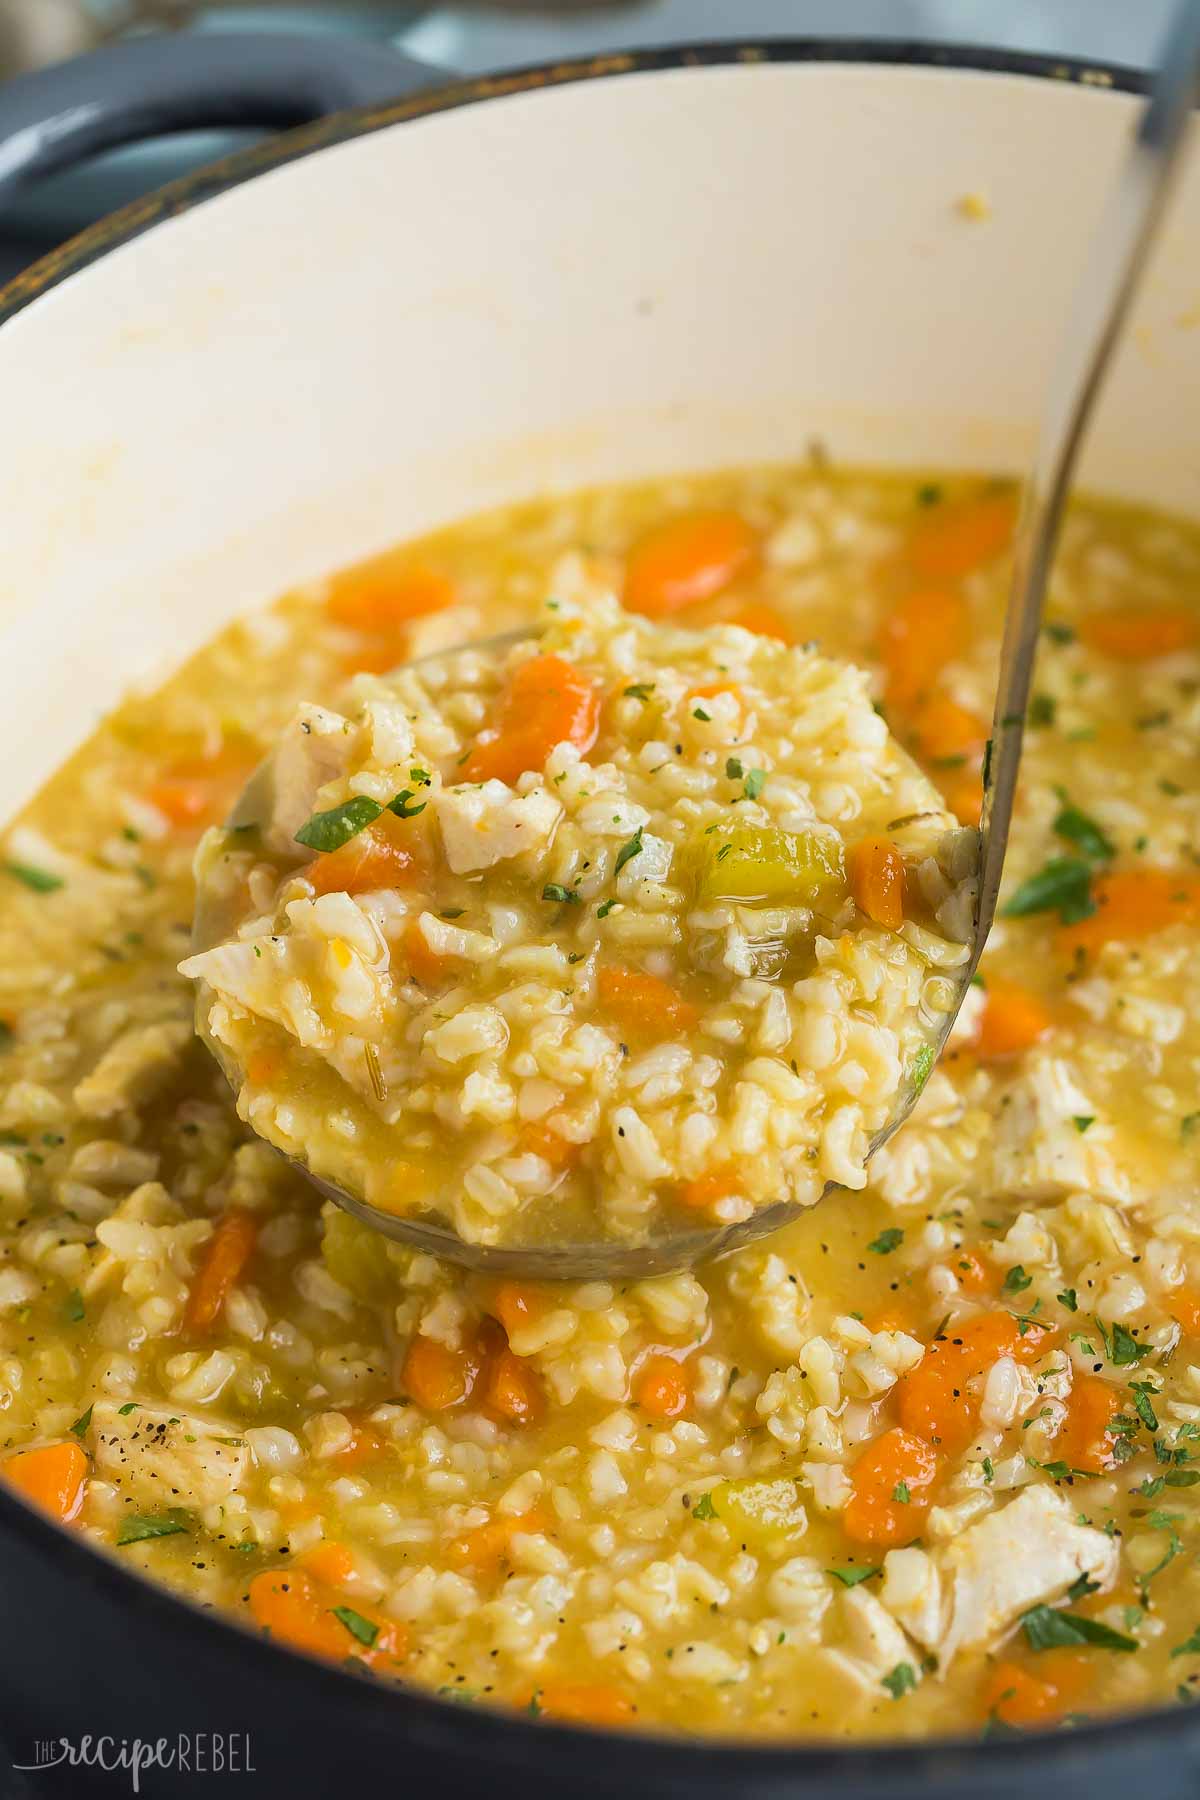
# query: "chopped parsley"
{"points": [[850, 1574], [82, 1424], [704, 1508], [1085, 834], [921, 1067], [73, 1307], [402, 807], [639, 690], [887, 1241], [733, 768], [755, 782], [628, 850], [1081, 1121], [1189, 1647], [40, 880], [698, 712], [327, 831], [140, 1526], [989, 1470], [1048, 1629], [1068, 1299], [901, 1494], [902, 1680], [356, 1625], [1042, 709], [1058, 633], [1064, 886], [1121, 1347], [605, 908], [554, 890], [1016, 1281]]}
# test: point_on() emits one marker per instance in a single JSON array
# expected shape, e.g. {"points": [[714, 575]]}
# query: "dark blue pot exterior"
{"points": [[93, 1652]]}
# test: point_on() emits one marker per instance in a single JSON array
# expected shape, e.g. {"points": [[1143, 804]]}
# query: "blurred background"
{"points": [[472, 39]]}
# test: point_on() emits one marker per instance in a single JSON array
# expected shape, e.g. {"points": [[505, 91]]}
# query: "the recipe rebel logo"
{"points": [[198, 1753]]}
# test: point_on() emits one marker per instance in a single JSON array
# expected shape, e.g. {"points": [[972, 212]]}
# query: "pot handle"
{"points": [[57, 116]]}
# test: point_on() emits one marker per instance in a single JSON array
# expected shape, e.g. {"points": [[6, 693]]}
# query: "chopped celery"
{"points": [[764, 1515], [761, 864]]}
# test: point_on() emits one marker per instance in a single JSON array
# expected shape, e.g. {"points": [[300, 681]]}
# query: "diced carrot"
{"points": [[890, 1482], [708, 690], [427, 966], [973, 1273], [228, 1251], [661, 1387], [1141, 634], [876, 870], [935, 1400], [538, 1138], [488, 1548], [706, 1190], [1184, 1308], [951, 541], [53, 1477], [642, 1005], [437, 1377], [182, 802], [297, 1611], [578, 1703], [509, 1390], [1019, 1698], [1085, 1440], [365, 1445], [963, 795], [385, 592], [1132, 904], [385, 855], [517, 1304], [763, 621], [547, 702], [1014, 1019], [897, 1314], [329, 1562], [688, 559], [923, 632], [943, 730], [197, 788]]}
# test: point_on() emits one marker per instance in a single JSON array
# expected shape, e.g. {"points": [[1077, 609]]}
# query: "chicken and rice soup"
{"points": [[924, 1462], [586, 912]]}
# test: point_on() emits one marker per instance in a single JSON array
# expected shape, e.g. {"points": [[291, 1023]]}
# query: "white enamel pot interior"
{"points": [[663, 270]]}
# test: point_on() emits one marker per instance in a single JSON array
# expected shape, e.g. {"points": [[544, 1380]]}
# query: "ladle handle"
{"points": [[1111, 275]]}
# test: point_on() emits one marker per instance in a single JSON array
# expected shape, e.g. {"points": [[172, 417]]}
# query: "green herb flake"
{"points": [[1081, 1121], [1189, 1647], [1064, 886], [83, 1424], [1058, 633], [140, 1527], [555, 891], [902, 1680], [40, 880], [1068, 1299], [755, 782], [698, 712], [887, 1241], [989, 1470], [733, 768], [850, 1574], [628, 850], [1142, 1406], [1188, 1124], [1048, 1629], [1016, 1281], [129, 1406], [356, 1625], [1042, 710], [73, 1307], [704, 1508], [921, 1067], [327, 831], [1085, 834], [401, 805], [605, 908], [901, 1494], [639, 690]]}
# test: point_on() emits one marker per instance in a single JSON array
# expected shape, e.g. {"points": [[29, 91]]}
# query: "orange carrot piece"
{"points": [[689, 559], [228, 1251], [1085, 1440], [923, 632], [661, 1387], [896, 1465], [578, 1703], [1020, 1699], [964, 797], [53, 1477], [707, 1189], [935, 1400], [385, 855], [329, 1562], [488, 1548], [951, 541], [642, 1005], [365, 1445], [943, 730], [1141, 634], [437, 1377], [426, 966], [1184, 1308], [973, 1273], [876, 871], [547, 702], [1132, 904], [510, 1391], [297, 1611], [385, 592], [540, 1140], [763, 621], [517, 1304], [1014, 1019]]}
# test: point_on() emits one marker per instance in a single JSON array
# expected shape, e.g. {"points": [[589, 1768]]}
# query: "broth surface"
{"points": [[923, 1463]]}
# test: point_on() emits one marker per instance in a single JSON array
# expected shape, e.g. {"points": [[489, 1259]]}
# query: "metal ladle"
{"points": [[1114, 266]]}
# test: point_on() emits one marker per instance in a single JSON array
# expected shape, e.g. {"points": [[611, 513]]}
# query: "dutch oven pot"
{"points": [[417, 308]]}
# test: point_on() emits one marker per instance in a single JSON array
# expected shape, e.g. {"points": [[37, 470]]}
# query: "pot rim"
{"points": [[491, 1735]]}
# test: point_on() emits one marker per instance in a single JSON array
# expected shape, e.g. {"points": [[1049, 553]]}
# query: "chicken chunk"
{"points": [[133, 1069], [166, 1457], [315, 748], [488, 823]]}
